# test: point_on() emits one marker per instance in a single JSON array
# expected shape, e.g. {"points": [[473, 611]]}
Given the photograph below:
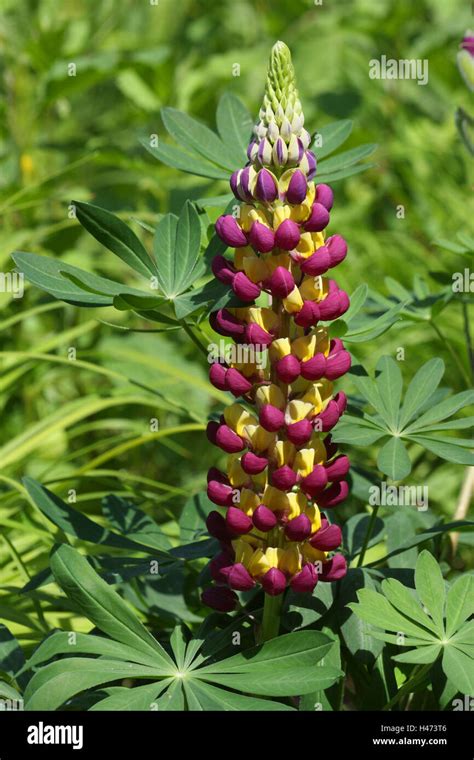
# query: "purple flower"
{"points": [[230, 232], [220, 598]]}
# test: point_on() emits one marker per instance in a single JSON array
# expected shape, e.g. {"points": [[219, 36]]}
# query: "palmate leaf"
{"points": [[116, 236], [361, 322], [417, 304], [12, 658], [357, 633], [411, 420], [285, 666], [435, 629], [178, 266], [430, 588], [196, 137], [100, 604], [330, 137], [234, 125], [461, 526], [176, 245], [69, 283], [134, 524], [54, 684], [345, 164], [202, 152], [76, 524]]}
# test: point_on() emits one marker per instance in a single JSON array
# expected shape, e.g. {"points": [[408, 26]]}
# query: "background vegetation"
{"points": [[81, 426]]}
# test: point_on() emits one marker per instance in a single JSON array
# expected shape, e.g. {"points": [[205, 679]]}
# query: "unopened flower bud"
{"points": [[264, 519], [230, 232], [220, 598], [299, 528], [304, 581], [274, 582], [237, 521], [318, 219], [287, 235]]}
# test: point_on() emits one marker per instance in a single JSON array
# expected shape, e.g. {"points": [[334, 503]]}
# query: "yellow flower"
{"points": [[237, 418], [270, 394], [293, 302]]}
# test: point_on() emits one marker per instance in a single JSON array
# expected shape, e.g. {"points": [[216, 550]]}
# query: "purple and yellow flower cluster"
{"points": [[282, 467]]}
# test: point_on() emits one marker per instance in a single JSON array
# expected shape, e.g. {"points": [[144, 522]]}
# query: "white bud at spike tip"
{"points": [[281, 120]]}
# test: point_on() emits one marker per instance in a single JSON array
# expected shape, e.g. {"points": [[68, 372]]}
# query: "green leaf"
{"points": [[393, 459], [134, 524], [422, 386], [346, 159], [71, 521], [140, 698], [421, 656], [211, 698], [389, 384], [173, 699], [284, 666], [213, 295], [301, 610], [331, 137], [188, 240], [54, 684], [280, 682], [358, 299], [131, 84], [446, 448], [186, 162], [178, 641], [356, 431], [100, 604], [355, 530], [366, 328], [430, 587], [164, 243], [459, 603], [116, 236], [196, 137], [11, 654], [234, 124], [375, 609], [399, 525], [343, 173], [357, 633], [442, 410], [47, 274], [420, 538], [459, 668], [301, 647], [71, 643], [464, 638], [176, 247], [401, 598]]}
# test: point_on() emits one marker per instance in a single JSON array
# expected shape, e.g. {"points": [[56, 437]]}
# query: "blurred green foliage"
{"points": [[66, 136]]}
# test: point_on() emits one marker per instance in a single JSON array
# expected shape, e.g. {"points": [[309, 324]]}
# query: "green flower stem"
{"points": [[467, 334], [271, 618], [419, 674], [453, 353], [26, 576], [368, 535], [194, 337]]}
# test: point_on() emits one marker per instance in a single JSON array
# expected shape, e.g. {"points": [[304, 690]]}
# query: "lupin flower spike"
{"points": [[282, 467]]}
